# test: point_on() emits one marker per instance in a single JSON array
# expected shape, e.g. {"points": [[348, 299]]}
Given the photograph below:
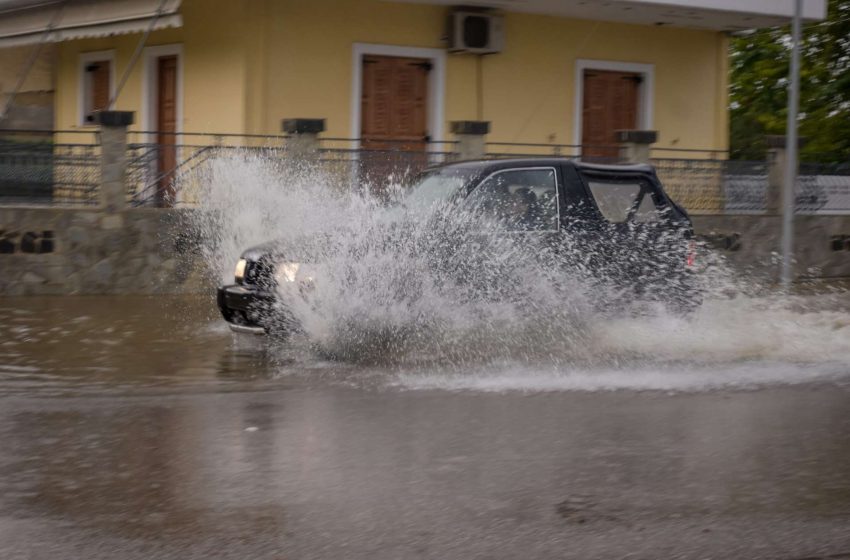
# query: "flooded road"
{"points": [[142, 428]]}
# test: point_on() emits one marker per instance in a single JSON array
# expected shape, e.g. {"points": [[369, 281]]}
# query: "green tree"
{"points": [[759, 81]]}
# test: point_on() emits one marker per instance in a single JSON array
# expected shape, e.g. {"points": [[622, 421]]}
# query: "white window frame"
{"points": [[436, 85], [84, 60], [535, 168], [150, 87], [646, 92]]}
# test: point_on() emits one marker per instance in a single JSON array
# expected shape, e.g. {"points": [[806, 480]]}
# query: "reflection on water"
{"points": [[166, 436], [51, 346], [312, 473], [56, 344]]}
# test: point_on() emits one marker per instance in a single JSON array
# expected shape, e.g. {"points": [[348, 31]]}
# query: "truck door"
{"points": [[513, 217], [635, 231]]}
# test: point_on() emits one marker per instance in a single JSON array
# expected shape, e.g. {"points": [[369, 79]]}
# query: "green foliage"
{"points": [[759, 80]]}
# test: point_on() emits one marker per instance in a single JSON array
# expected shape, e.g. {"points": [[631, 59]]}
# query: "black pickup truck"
{"points": [[617, 221]]}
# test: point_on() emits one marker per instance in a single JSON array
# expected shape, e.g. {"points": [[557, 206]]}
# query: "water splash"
{"points": [[382, 296]]}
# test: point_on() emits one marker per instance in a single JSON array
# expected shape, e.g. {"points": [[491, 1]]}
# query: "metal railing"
{"points": [[745, 186], [372, 165], [502, 150], [589, 153], [63, 168], [207, 139], [344, 160], [688, 153], [150, 182], [823, 188], [49, 167]]}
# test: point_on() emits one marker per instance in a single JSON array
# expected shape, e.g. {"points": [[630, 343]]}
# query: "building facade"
{"points": [[568, 72]]}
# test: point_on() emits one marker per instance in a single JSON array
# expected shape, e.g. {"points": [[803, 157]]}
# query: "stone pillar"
{"points": [[113, 158], [777, 157], [303, 141], [635, 144], [471, 138]]}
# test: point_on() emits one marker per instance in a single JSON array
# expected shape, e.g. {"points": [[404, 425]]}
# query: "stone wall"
{"points": [[147, 250], [79, 251], [821, 248]]}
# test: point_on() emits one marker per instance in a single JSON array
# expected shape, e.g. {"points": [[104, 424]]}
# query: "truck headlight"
{"points": [[241, 264], [286, 272]]}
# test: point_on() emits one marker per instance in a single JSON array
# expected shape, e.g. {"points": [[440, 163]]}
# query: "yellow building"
{"points": [[564, 71]]}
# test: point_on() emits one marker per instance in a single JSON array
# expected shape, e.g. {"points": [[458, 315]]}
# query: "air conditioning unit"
{"points": [[475, 32]]}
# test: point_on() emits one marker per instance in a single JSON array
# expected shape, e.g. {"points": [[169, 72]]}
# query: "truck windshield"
{"points": [[435, 188]]}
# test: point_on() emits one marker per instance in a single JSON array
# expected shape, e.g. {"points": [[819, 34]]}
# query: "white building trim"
{"points": [[148, 120], [84, 60]]}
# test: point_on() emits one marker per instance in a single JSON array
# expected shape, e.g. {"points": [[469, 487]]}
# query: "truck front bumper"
{"points": [[246, 309]]}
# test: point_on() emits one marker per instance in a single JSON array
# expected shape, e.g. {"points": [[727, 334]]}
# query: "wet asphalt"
{"points": [[139, 428]]}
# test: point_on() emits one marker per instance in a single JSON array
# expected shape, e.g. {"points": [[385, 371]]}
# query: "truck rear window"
{"points": [[618, 201], [615, 200]]}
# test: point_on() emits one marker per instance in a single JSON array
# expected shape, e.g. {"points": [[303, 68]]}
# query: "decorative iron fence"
{"points": [[160, 175], [823, 188], [711, 186], [504, 150], [695, 184], [54, 168], [63, 167], [374, 165], [745, 186], [154, 171], [605, 154]]}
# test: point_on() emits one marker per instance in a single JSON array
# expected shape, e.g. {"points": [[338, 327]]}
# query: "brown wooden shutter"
{"points": [[410, 90], [393, 130], [610, 104], [99, 76], [394, 100], [377, 97], [167, 126]]}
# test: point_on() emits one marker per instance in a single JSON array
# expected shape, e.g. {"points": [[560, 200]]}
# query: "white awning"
{"points": [[718, 15], [28, 23]]}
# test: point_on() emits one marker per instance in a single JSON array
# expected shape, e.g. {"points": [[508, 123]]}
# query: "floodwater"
{"points": [[413, 421], [139, 428]]}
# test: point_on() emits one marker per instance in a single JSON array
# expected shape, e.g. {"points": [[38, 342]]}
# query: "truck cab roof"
{"points": [[496, 164]]}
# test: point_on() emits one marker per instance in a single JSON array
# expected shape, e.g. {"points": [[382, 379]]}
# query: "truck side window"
{"points": [[517, 200], [647, 212], [615, 200]]}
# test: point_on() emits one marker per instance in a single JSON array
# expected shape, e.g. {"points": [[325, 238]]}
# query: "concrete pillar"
{"points": [[775, 174], [303, 141], [635, 145], [471, 138], [113, 158], [776, 159]]}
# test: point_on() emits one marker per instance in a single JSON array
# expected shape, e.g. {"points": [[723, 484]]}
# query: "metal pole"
{"points": [[791, 151], [139, 46]]}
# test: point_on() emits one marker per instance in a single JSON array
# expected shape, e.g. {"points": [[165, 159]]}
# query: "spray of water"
{"points": [[381, 295]]}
